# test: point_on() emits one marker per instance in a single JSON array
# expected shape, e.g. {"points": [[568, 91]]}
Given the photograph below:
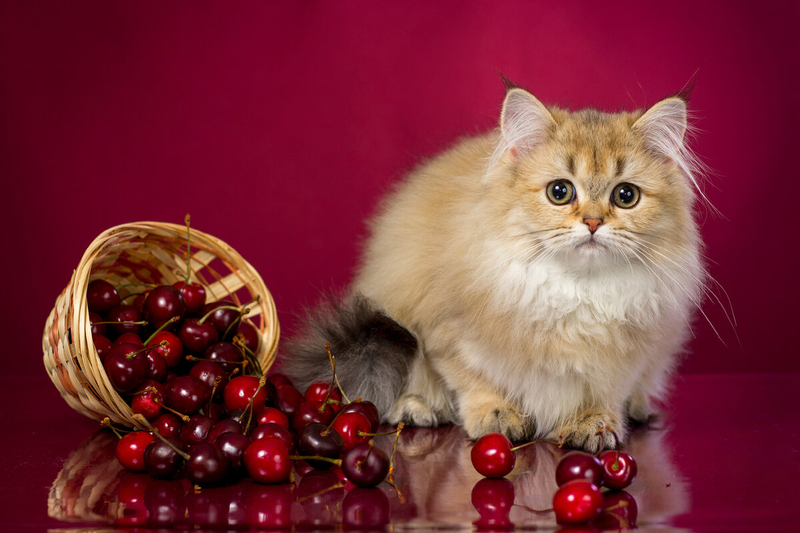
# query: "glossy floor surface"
{"points": [[725, 456]]}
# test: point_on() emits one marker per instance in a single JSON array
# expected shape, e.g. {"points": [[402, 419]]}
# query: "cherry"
{"points": [[196, 337], [125, 367], [279, 379], [228, 355], [318, 440], [367, 409], [196, 430], [206, 464], [267, 460], [168, 345], [287, 399], [168, 425], [101, 296], [186, 394], [352, 427], [318, 392], [310, 413], [102, 345], [252, 338], [208, 372], [124, 318], [222, 319], [241, 390], [620, 469], [224, 426], [148, 403], [232, 445], [577, 502], [493, 498], [156, 366], [619, 512], [130, 450], [270, 415], [366, 509], [128, 338], [216, 411], [274, 430], [579, 465], [163, 303], [161, 459], [365, 465], [194, 295], [97, 329], [492, 455]]}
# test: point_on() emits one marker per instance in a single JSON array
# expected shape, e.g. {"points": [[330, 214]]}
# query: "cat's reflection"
{"points": [[433, 474]]}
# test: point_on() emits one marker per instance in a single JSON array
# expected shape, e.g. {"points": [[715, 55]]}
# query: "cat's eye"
{"points": [[560, 192], [625, 195]]}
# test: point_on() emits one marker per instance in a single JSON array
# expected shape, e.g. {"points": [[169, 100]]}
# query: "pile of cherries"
{"points": [[579, 476]]}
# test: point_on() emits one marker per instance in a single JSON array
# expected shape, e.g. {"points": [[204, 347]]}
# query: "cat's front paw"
{"points": [[591, 431], [480, 420], [414, 410]]}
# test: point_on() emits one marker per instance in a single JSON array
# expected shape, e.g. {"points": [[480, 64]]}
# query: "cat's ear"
{"points": [[664, 127], [524, 121]]}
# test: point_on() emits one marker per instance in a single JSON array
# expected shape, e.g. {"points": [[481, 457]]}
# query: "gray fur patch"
{"points": [[373, 352]]}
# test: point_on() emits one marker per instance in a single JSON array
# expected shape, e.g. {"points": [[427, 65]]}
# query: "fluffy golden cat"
{"points": [[538, 280]]}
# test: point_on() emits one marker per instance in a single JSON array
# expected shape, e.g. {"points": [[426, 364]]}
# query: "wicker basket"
{"points": [[144, 252]]}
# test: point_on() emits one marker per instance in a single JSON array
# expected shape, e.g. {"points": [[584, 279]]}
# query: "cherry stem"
{"points": [[221, 308], [124, 323], [164, 325], [106, 422], [142, 420], [261, 383], [540, 441], [390, 481], [128, 296], [392, 432], [236, 322], [187, 219], [239, 340], [361, 461], [145, 349], [333, 368], [337, 485], [182, 416], [333, 380], [220, 361], [337, 462], [400, 427], [146, 389], [217, 381]]}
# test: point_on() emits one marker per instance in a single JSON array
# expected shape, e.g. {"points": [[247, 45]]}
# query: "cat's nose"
{"points": [[592, 223]]}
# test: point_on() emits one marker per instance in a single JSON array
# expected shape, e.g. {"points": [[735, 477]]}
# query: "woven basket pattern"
{"points": [[144, 252]]}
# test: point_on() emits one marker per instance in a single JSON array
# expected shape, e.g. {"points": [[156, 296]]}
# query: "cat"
{"points": [[537, 280]]}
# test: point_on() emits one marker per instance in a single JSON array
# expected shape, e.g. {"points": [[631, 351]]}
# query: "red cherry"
{"points": [[197, 337], [206, 464], [287, 399], [579, 465], [274, 430], [125, 367], [128, 338], [367, 409], [197, 429], [163, 303], [101, 296], [279, 379], [267, 460], [492, 455], [619, 512], [252, 338], [493, 498], [208, 372], [169, 346], [193, 294], [226, 354], [222, 319], [351, 427], [221, 427], [365, 465], [156, 366], [620, 469], [168, 425], [187, 394], [311, 413], [240, 390], [130, 450], [97, 329], [318, 392], [102, 345], [124, 313], [270, 415], [148, 403], [232, 445], [577, 502]]}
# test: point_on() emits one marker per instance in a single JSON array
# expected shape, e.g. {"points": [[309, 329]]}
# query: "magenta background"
{"points": [[279, 125]]}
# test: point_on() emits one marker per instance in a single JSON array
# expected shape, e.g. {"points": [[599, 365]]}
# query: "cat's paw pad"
{"points": [[412, 409], [591, 432], [494, 419]]}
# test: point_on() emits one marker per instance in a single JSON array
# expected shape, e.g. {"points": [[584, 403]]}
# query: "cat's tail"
{"points": [[373, 352]]}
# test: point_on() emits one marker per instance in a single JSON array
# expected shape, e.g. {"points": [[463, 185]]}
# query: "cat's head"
{"points": [[593, 187]]}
